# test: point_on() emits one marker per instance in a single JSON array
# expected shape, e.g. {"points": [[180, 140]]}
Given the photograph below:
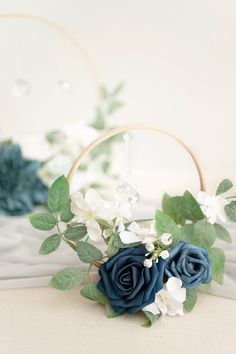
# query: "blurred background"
{"points": [[175, 58]]}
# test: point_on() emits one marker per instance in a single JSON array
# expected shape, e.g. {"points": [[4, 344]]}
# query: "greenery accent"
{"points": [[164, 224], [88, 253], [67, 278], [222, 233], [204, 287], [111, 313], [171, 207], [230, 211], [66, 214], [191, 299], [189, 208], [111, 251], [59, 194], [218, 264], [43, 221], [76, 233], [50, 244], [91, 292], [224, 186], [151, 318], [204, 234]]}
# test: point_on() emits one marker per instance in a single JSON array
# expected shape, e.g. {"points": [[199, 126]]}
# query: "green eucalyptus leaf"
{"points": [[189, 208], [76, 233], [222, 233], [66, 214], [164, 224], [111, 313], [67, 278], [191, 299], [204, 287], [230, 211], [217, 257], [151, 318], [111, 251], [224, 186], [50, 244], [114, 105], [88, 253], [187, 232], [91, 292], [171, 207], [204, 234], [59, 194], [43, 221]]}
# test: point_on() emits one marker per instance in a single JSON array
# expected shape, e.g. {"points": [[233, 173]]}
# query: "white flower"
{"points": [[88, 210], [147, 263], [166, 239], [34, 147], [164, 254], [139, 233], [213, 206], [150, 247], [169, 300]]}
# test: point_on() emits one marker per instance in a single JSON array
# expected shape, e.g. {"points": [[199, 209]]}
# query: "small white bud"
{"points": [[149, 247], [147, 263], [157, 260], [107, 233], [164, 254], [166, 239]]}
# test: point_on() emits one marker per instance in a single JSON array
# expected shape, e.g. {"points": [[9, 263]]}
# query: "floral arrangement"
{"points": [[154, 267], [31, 163]]}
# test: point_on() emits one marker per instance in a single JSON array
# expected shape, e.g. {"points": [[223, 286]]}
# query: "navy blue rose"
{"points": [[20, 187], [189, 263], [129, 285]]}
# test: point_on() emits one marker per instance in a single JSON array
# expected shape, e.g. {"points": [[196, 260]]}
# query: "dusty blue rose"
{"points": [[189, 263], [20, 188], [129, 285]]}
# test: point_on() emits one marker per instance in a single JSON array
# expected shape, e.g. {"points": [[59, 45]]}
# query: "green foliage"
{"points": [[76, 233], [111, 313], [191, 299], [187, 232], [189, 208], [50, 244], [204, 234], [171, 207], [204, 287], [67, 278], [218, 264], [111, 251], [43, 221], [91, 292], [66, 214], [230, 211], [224, 186], [222, 233], [88, 253], [58, 194], [150, 318], [164, 223]]}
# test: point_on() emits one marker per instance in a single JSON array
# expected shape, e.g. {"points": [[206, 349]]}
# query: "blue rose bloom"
{"points": [[189, 263], [129, 285], [20, 188]]}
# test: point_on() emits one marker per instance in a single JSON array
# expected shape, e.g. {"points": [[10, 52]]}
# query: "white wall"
{"points": [[177, 57]]}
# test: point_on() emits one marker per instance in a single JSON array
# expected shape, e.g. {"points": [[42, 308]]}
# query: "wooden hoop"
{"points": [[108, 134], [73, 39]]}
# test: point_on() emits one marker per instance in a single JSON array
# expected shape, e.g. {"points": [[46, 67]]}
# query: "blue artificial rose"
{"points": [[129, 285], [20, 187], [189, 263]]}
